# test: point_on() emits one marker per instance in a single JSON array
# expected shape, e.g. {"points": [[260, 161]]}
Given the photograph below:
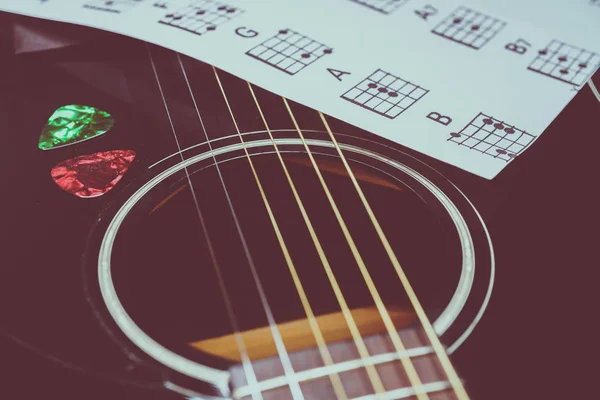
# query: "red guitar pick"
{"points": [[92, 175]]}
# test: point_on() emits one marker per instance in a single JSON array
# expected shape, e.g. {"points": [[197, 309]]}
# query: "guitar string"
{"points": [[280, 346], [356, 336], [594, 89], [406, 362], [260, 186], [246, 364], [314, 326], [453, 378]]}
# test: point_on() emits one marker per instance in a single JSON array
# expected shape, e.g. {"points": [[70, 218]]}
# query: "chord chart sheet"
{"points": [[383, 6], [384, 94], [289, 51], [491, 136], [564, 62], [412, 71], [469, 27], [573, 21], [201, 16], [114, 6]]}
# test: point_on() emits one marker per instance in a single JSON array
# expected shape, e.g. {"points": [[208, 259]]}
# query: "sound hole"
{"points": [[165, 279]]}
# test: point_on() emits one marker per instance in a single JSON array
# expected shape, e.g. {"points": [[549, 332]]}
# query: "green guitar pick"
{"points": [[74, 123]]}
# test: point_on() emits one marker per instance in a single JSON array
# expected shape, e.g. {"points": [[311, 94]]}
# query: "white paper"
{"points": [[473, 64]]}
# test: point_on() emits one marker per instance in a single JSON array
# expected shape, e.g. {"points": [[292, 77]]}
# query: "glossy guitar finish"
{"points": [[126, 284]]}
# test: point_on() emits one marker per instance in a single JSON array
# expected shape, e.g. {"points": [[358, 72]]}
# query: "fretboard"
{"points": [[313, 378]]}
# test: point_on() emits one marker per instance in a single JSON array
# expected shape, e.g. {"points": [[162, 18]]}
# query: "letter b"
{"points": [[516, 48], [439, 118]]}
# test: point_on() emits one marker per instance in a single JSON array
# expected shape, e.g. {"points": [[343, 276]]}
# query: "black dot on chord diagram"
{"points": [[565, 63], [201, 16], [289, 51], [226, 9], [488, 135], [382, 6], [469, 27], [384, 94], [116, 6], [504, 152]]}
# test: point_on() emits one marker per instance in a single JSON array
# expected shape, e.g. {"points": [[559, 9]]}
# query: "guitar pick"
{"points": [[74, 123], [92, 175]]}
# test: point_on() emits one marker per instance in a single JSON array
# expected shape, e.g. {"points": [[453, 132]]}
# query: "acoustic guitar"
{"points": [[174, 228]]}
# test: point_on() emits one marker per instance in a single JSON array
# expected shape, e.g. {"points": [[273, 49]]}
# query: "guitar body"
{"points": [[232, 256]]}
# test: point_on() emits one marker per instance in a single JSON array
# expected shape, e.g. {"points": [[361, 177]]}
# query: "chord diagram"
{"points": [[493, 137], [116, 6], [385, 94], [201, 16], [469, 27], [383, 6], [289, 51], [566, 63]]}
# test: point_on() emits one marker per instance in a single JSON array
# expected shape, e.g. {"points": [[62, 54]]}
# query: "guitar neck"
{"points": [[318, 380]]}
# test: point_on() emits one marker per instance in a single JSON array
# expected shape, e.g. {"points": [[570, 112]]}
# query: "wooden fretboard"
{"points": [[315, 384]]}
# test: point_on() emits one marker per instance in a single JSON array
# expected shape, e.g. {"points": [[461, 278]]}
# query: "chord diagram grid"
{"points": [[201, 16], [385, 94], [566, 63], [289, 51], [116, 6], [469, 27], [493, 137], [383, 6]]}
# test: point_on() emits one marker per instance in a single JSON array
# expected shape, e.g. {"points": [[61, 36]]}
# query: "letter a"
{"points": [[337, 73], [427, 12]]}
